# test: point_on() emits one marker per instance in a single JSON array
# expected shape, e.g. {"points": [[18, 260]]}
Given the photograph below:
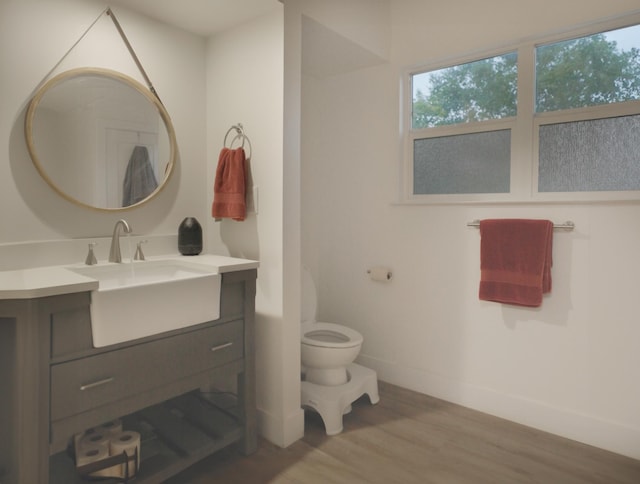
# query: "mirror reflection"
{"points": [[100, 138]]}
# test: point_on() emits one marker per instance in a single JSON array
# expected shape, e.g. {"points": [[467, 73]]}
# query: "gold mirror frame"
{"points": [[107, 74]]}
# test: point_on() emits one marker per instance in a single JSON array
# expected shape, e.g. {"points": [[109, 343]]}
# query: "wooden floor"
{"points": [[412, 438]]}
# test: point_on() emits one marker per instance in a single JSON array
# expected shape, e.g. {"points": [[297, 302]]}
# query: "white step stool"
{"points": [[332, 402]]}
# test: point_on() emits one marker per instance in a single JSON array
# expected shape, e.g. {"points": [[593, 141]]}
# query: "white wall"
{"points": [[365, 22], [244, 85], [569, 367], [34, 36]]}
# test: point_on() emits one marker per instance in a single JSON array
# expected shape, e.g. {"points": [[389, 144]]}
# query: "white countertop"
{"points": [[56, 280]]}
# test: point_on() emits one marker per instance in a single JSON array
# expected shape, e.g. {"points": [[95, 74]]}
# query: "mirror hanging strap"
{"points": [[124, 38], [110, 13]]}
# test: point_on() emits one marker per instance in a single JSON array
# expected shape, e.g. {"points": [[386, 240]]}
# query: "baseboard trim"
{"points": [[281, 431], [583, 428]]}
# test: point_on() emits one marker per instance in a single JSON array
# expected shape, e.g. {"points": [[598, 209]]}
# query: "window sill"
{"points": [[585, 198]]}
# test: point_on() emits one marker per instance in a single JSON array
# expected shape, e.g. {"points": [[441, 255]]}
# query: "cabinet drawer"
{"points": [[84, 384]]}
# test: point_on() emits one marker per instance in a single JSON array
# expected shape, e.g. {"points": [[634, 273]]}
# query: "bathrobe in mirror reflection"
{"points": [[139, 179]]}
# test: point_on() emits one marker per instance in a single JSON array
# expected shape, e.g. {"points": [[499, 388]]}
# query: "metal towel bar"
{"points": [[568, 225]]}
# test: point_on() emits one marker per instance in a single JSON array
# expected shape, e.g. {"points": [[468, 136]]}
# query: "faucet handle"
{"points": [[91, 257], [139, 254]]}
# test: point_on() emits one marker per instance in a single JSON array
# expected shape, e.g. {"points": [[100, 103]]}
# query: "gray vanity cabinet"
{"points": [[54, 384]]}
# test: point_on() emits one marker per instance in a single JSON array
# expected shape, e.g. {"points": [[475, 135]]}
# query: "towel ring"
{"points": [[239, 135]]}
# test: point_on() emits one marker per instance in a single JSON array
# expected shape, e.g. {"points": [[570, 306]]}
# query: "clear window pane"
{"points": [[593, 155], [467, 163], [597, 69], [476, 91]]}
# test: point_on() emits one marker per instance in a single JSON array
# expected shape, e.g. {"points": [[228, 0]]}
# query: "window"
{"points": [[463, 163], [453, 160], [591, 155], [598, 151], [597, 69], [567, 109], [475, 91]]}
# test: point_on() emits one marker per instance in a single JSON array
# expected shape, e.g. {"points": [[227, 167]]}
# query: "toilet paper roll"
{"points": [[78, 437], [127, 441], [111, 428], [380, 273], [95, 453], [92, 439], [91, 453]]}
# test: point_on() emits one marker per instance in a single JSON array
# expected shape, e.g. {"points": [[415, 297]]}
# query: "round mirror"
{"points": [[100, 139]]}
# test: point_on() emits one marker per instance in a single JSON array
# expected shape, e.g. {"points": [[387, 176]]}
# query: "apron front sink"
{"points": [[140, 299]]}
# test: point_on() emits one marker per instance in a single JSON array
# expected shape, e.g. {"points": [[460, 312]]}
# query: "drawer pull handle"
{"points": [[222, 346], [89, 386]]}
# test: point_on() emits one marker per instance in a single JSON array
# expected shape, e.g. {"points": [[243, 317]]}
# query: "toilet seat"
{"points": [[329, 335]]}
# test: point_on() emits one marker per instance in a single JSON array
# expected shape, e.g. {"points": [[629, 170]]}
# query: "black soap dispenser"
{"points": [[190, 237]]}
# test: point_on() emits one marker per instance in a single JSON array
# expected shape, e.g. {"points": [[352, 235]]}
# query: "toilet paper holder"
{"points": [[380, 273], [88, 469]]}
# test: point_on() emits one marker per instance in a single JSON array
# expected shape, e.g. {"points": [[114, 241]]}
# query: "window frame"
{"points": [[524, 126]]}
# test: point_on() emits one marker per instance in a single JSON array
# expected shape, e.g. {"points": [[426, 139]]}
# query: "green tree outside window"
{"points": [[570, 74]]}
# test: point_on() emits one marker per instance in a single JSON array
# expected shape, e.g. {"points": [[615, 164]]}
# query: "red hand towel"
{"points": [[515, 260], [229, 185]]}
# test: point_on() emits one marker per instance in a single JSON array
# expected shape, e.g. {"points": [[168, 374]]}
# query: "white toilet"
{"points": [[330, 379]]}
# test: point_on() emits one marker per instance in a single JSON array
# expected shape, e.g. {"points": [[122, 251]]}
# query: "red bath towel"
{"points": [[515, 260], [229, 186]]}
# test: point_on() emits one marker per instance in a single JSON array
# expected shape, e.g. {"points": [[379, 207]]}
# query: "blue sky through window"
{"points": [[626, 38]]}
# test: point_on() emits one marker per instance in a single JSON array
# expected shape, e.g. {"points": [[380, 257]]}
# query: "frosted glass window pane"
{"points": [[467, 163], [593, 155]]}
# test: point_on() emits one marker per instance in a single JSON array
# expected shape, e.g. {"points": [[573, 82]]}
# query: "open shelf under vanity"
{"points": [[174, 435]]}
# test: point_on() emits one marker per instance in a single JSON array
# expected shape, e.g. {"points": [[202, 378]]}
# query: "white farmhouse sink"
{"points": [[139, 299]]}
